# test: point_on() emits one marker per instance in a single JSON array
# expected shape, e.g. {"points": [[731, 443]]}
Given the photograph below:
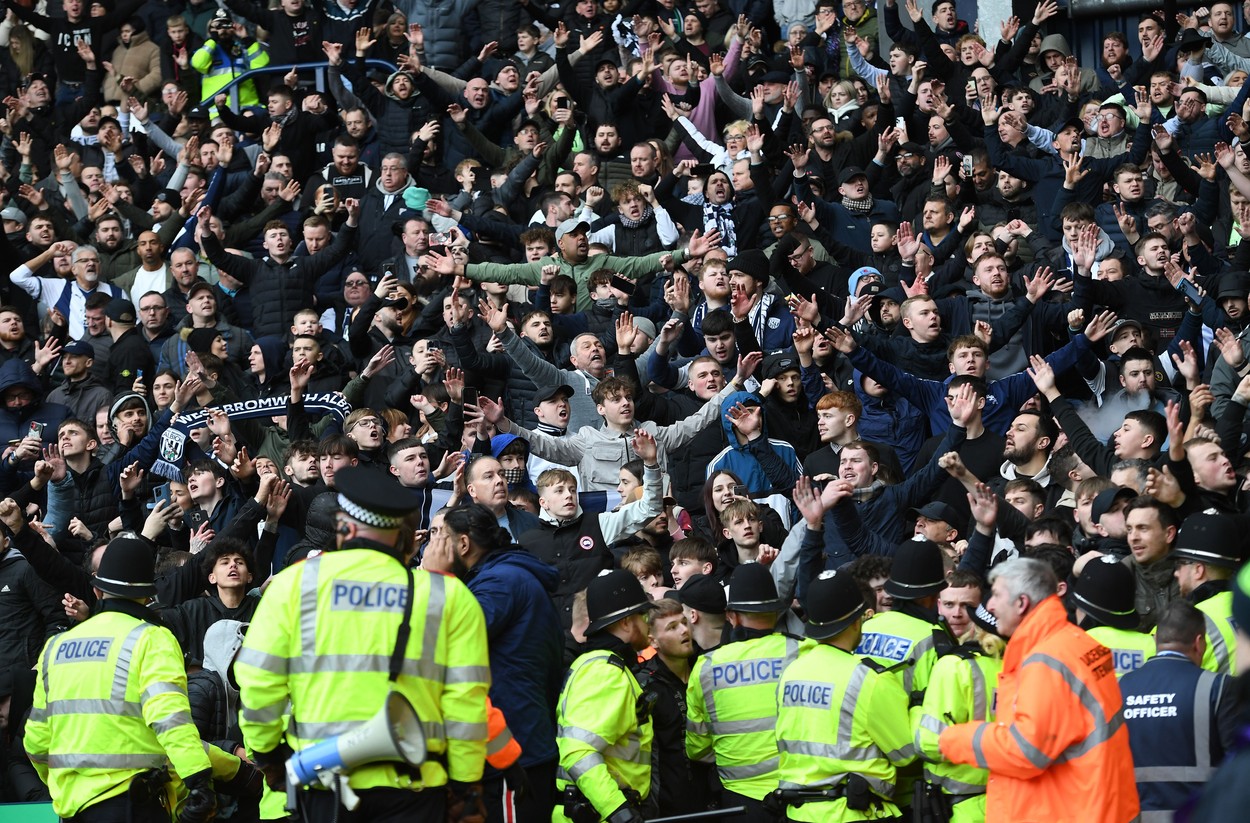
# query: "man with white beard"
{"points": [[67, 297]]}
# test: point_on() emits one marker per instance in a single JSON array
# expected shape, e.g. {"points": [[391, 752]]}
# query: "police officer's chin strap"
{"points": [[133, 608]]}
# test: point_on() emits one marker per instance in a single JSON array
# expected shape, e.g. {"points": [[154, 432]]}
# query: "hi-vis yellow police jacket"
{"points": [[110, 702], [322, 638]]}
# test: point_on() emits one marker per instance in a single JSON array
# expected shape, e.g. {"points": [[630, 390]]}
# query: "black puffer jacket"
{"points": [[30, 612], [95, 501], [214, 698], [279, 290], [519, 390], [394, 118]]}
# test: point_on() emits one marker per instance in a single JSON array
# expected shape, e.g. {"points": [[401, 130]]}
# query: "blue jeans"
{"points": [[67, 93]]}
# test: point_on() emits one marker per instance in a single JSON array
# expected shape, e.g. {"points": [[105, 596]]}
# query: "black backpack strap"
{"points": [[404, 632]]}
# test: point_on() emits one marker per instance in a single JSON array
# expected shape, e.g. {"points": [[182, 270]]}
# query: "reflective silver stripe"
{"points": [[980, 697], [1103, 727], [629, 750], [37, 715], [829, 751], [1215, 642], [1155, 817], [460, 730], [121, 671], [467, 674], [308, 607], [172, 722], [88, 705], [499, 743], [918, 651], [1202, 720], [429, 638], [263, 660], [160, 688], [1101, 734], [709, 697], [269, 714], [321, 731], [37, 758], [699, 727], [579, 664], [749, 771], [931, 724], [592, 760], [106, 761], [976, 746], [952, 786], [1032, 753], [1173, 774], [759, 724], [906, 753], [831, 782], [585, 736]]}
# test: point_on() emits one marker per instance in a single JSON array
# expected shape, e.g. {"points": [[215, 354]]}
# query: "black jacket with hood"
{"points": [[395, 119], [30, 611]]}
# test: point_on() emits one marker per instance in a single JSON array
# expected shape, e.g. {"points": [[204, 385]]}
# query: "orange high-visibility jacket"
{"points": [[1058, 750], [502, 749]]}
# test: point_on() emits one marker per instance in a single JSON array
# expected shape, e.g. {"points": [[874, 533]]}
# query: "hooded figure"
{"points": [[18, 685], [19, 383], [1059, 44], [273, 351], [213, 692], [318, 529], [768, 468], [502, 445], [891, 419]]}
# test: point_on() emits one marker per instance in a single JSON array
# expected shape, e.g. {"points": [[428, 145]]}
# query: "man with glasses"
{"points": [[1110, 137], [154, 322], [783, 220], [366, 428], [338, 318], [67, 297], [381, 206]]}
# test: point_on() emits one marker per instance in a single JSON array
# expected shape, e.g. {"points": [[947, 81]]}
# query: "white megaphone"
{"points": [[394, 733]]}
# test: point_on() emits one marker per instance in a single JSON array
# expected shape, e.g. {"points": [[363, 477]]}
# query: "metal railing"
{"points": [[318, 71]]}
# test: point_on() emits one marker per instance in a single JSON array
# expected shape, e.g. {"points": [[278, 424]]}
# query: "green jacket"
{"points": [[530, 274]]}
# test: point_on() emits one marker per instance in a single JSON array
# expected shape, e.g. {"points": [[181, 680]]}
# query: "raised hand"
{"points": [[1043, 376], [645, 447], [1101, 326]]}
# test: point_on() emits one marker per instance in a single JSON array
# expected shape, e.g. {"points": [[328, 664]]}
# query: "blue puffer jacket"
{"points": [[514, 589], [764, 465]]}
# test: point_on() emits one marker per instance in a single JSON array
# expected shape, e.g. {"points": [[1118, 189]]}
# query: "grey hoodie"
{"points": [[222, 642]]}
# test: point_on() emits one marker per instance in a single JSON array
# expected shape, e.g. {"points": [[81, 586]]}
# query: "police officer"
{"points": [[841, 722], [962, 688], [337, 633], [605, 729], [906, 634], [905, 639], [111, 713], [1181, 718], [731, 700], [1208, 551], [1103, 596]]}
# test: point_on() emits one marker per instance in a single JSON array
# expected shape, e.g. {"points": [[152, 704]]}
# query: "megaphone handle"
{"points": [[343, 791], [292, 789]]}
